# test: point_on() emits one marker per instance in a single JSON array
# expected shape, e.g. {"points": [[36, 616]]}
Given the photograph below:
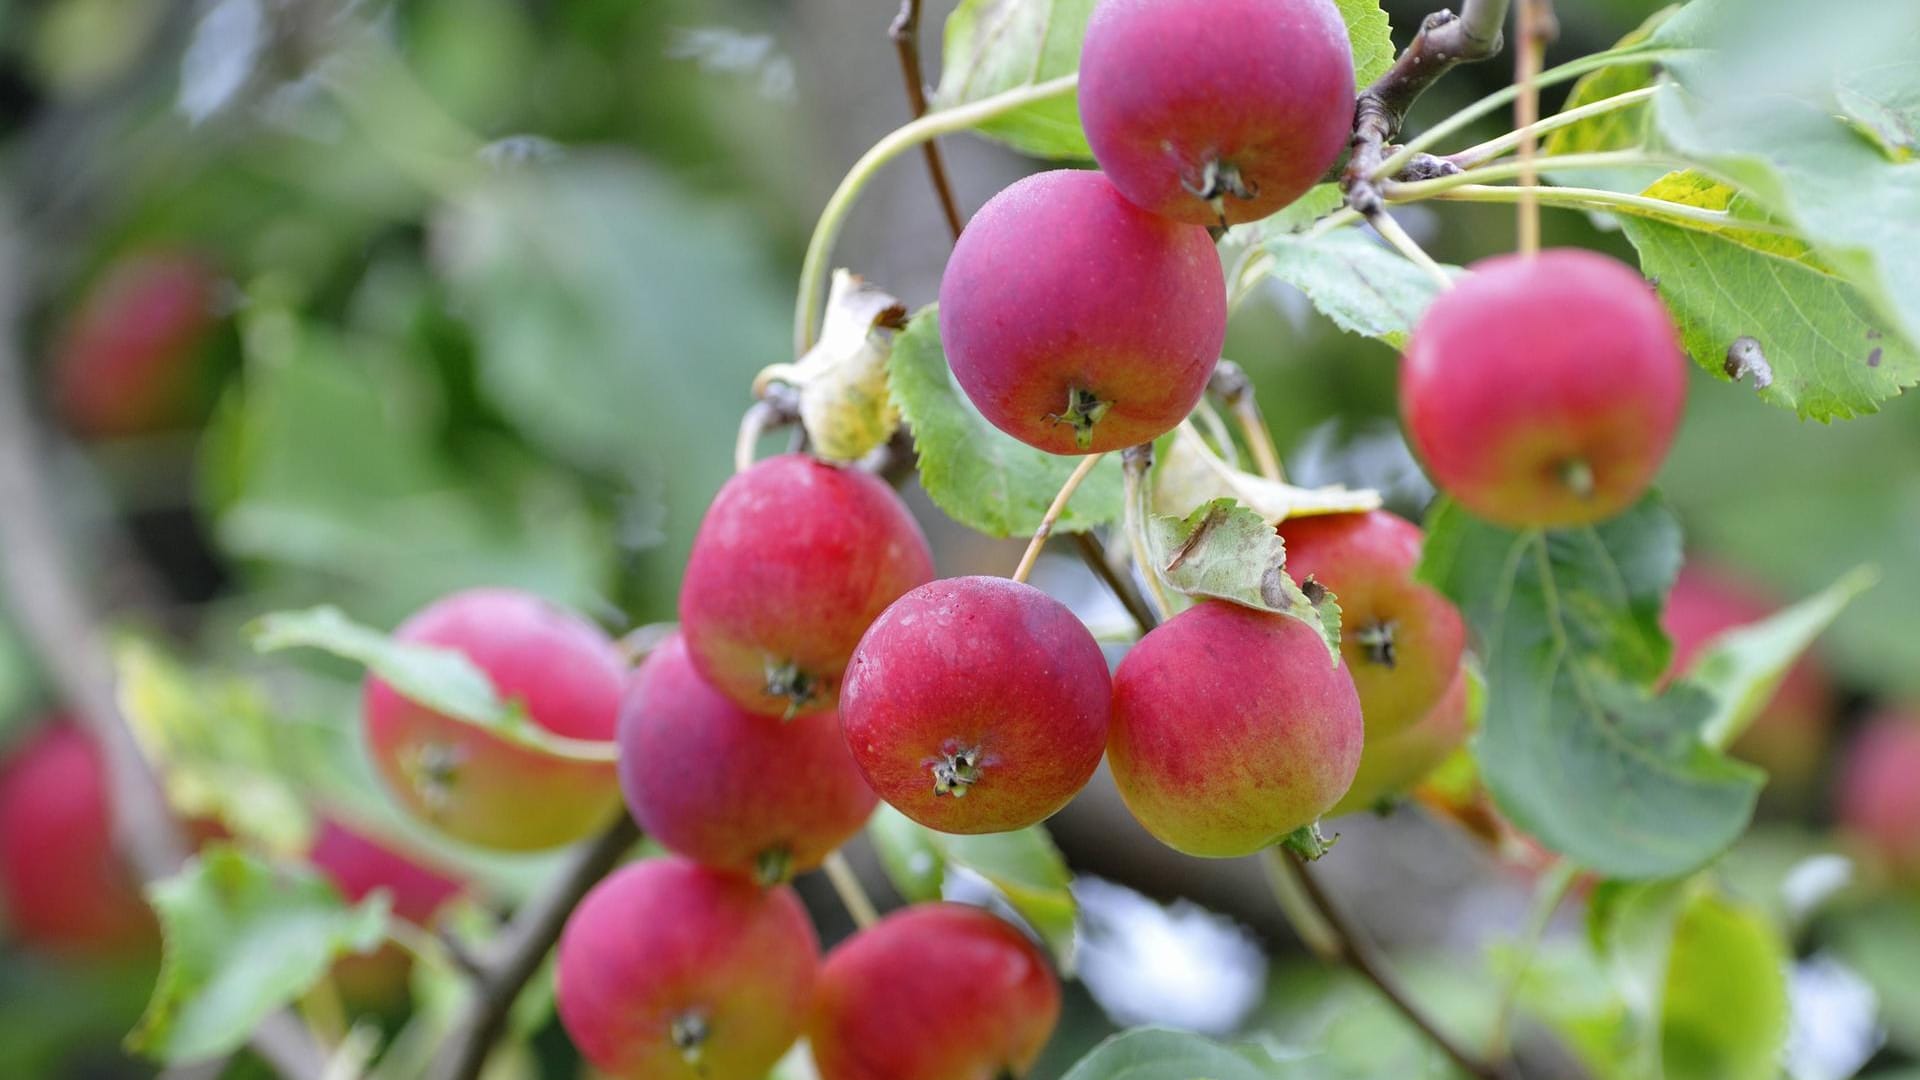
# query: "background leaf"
{"points": [[993, 46], [1161, 1054], [983, 478], [1359, 283], [243, 938], [1574, 747]]}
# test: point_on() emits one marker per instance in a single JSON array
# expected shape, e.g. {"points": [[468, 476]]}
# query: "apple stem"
{"points": [[1054, 510], [1536, 28], [853, 896], [1230, 382]]}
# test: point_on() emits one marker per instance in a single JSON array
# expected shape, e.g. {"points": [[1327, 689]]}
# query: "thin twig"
{"points": [[53, 614], [1094, 554], [1283, 876], [523, 947], [1358, 952], [1481, 153], [1535, 26], [1054, 510], [1230, 382], [905, 33], [853, 896], [1444, 40]]}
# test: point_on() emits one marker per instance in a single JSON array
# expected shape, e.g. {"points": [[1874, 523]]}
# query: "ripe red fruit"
{"points": [[671, 970], [65, 887], [476, 787], [357, 865], [1401, 639], [1077, 322], [1879, 799], [977, 704], [1231, 729], [1216, 111], [1789, 735], [792, 562], [1544, 390], [728, 788], [1391, 766], [933, 992], [126, 364]]}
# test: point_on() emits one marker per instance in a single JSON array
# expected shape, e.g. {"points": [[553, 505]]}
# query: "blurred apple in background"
{"points": [[1789, 736], [1877, 794], [128, 361], [65, 888]]}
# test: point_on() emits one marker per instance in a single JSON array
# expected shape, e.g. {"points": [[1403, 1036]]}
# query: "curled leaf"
{"points": [[842, 381], [1189, 475]]}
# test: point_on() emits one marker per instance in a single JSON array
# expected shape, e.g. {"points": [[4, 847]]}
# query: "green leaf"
{"points": [[1371, 36], [1187, 475], [1742, 667], [443, 680], [980, 476], [1162, 1054], [1758, 109], [1225, 551], [1825, 345], [219, 745], [1024, 865], [1884, 103], [1622, 129], [1359, 283], [993, 46], [243, 938], [1574, 746], [1725, 1011]]}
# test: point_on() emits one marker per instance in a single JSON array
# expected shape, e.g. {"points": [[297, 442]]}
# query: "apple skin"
{"points": [[1400, 638], [470, 784], [1391, 766], [1231, 729], [933, 992], [1263, 87], [65, 887], [794, 559], [1061, 289], [127, 362], [665, 947], [982, 678], [720, 785], [1544, 390], [1878, 797], [1789, 736]]}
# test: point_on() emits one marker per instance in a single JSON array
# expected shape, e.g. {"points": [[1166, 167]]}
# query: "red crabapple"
{"points": [[126, 364], [977, 704], [1231, 729], [728, 788], [1544, 390], [792, 562], [1879, 793], [1216, 111], [933, 992], [669, 970], [1789, 735], [1400, 638], [477, 787], [64, 884], [1077, 322], [1390, 766]]}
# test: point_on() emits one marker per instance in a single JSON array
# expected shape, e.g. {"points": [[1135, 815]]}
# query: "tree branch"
{"points": [[905, 33], [53, 615], [1444, 40], [523, 946], [1358, 953]]}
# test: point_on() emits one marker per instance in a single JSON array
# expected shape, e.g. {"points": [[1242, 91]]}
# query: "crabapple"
{"points": [[1788, 735], [933, 992], [1077, 322], [1879, 800], [125, 364], [474, 785], [669, 969], [1400, 638], [1231, 729], [65, 886], [977, 704], [793, 560], [728, 788], [1216, 111], [1544, 390], [357, 865], [1391, 765]]}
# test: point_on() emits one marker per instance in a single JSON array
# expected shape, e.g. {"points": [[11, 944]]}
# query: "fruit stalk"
{"points": [[853, 895], [1536, 28], [53, 615], [1231, 383], [1058, 507], [523, 945], [905, 33]]}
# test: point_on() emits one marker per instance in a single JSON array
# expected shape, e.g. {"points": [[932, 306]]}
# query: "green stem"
{"points": [[1617, 202], [1392, 233], [1408, 191], [1493, 148], [1283, 876], [813, 270], [1135, 463], [1547, 897], [1638, 54]]}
